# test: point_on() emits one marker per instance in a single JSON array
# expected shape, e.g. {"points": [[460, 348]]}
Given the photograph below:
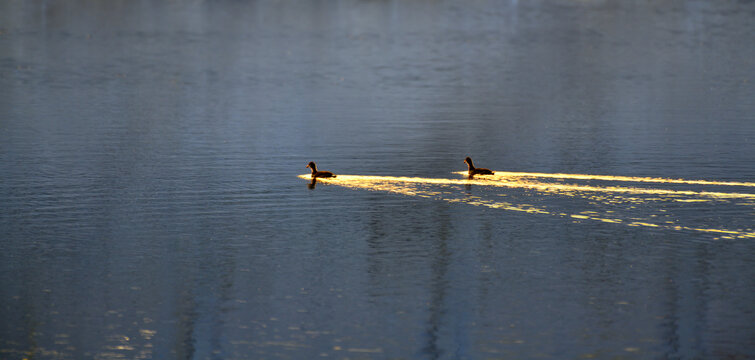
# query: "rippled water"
{"points": [[151, 204]]}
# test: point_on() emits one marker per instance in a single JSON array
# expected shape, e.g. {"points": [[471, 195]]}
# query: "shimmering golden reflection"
{"points": [[501, 179], [612, 204], [509, 174]]}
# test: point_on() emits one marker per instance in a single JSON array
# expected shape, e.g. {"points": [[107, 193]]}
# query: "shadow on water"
{"points": [[196, 292], [438, 288]]}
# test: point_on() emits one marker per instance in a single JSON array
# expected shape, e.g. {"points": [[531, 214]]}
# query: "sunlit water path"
{"points": [[611, 203], [507, 174]]}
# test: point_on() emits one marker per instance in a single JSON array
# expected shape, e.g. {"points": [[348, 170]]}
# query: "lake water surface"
{"points": [[152, 203]]}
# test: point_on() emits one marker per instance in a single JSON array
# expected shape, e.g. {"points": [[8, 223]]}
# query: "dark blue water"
{"points": [[150, 205]]}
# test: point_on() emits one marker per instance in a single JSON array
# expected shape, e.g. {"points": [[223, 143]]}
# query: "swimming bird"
{"points": [[477, 171], [319, 174]]}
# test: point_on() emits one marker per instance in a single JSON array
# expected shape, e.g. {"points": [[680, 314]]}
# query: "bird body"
{"points": [[476, 171], [319, 174]]}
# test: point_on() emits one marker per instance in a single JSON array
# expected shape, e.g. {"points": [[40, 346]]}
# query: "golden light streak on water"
{"points": [[515, 181], [502, 181], [416, 186], [508, 174]]}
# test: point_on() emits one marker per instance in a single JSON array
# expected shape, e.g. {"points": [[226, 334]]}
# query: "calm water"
{"points": [[150, 204]]}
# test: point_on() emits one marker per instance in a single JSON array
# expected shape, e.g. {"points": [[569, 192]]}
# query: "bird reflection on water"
{"points": [[636, 205]]}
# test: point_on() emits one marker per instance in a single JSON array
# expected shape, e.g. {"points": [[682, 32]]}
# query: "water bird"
{"points": [[476, 171], [319, 174]]}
